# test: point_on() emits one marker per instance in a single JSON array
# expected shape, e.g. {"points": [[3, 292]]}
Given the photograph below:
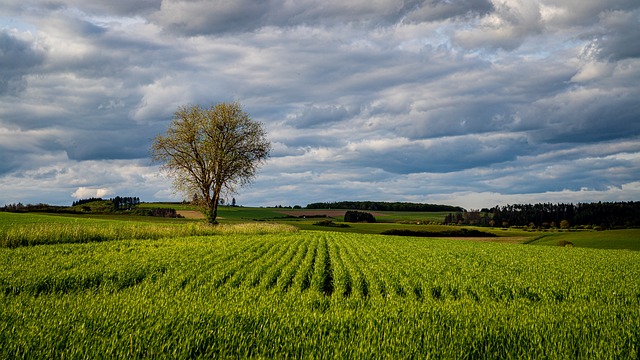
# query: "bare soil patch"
{"points": [[190, 214]]}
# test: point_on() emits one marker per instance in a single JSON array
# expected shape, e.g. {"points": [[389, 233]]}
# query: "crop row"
{"points": [[317, 294], [336, 265]]}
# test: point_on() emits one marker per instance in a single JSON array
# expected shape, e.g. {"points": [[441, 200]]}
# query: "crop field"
{"points": [[28, 230], [610, 239], [266, 292]]}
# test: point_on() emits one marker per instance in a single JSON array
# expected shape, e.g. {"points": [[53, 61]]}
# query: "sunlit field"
{"points": [[263, 290]]}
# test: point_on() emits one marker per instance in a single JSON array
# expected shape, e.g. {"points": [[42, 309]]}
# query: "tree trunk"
{"points": [[211, 212]]}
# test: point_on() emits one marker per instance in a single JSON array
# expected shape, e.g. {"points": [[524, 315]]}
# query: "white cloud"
{"points": [[593, 71], [479, 200], [84, 193], [507, 27]]}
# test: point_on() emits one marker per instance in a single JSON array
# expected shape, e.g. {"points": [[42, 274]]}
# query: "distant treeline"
{"points": [[382, 206], [21, 208], [603, 214], [116, 205], [158, 212]]}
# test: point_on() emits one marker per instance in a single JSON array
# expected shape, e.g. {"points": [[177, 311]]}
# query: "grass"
{"points": [[248, 213], [609, 239], [314, 294], [36, 229], [243, 214], [411, 217], [176, 206]]}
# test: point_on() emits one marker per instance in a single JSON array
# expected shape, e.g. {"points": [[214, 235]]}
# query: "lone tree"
{"points": [[208, 151]]}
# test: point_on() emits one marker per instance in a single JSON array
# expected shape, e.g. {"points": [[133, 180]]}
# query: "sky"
{"points": [[473, 103]]}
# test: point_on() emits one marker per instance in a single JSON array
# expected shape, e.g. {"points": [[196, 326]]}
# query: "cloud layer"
{"points": [[471, 103]]}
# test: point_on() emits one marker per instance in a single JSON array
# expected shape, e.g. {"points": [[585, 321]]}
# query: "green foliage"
{"points": [[605, 214], [99, 205], [358, 216], [330, 223], [383, 206], [317, 294], [158, 212], [21, 208], [475, 218], [207, 151]]}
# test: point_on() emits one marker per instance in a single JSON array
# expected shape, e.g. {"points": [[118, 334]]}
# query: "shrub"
{"points": [[359, 216], [157, 212], [330, 223]]}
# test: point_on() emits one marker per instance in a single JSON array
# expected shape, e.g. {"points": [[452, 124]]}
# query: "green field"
{"points": [[421, 221], [610, 239], [147, 290]]}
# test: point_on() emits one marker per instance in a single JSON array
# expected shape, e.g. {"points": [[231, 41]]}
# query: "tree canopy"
{"points": [[602, 214], [211, 151], [382, 206]]}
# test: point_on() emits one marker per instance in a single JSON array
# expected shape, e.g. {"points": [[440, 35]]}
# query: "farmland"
{"points": [[274, 291]]}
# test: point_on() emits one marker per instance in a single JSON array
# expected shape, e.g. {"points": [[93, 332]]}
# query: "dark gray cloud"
{"points": [[18, 58], [198, 18], [434, 10], [321, 116], [507, 27], [465, 102], [566, 13], [94, 145], [87, 7], [618, 37], [451, 154]]}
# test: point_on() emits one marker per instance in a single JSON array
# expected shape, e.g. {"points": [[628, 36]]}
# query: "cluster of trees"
{"points": [[222, 202], [158, 212], [382, 206], [86, 201], [358, 216], [287, 207], [477, 218], [603, 214], [125, 203], [21, 208], [116, 203]]}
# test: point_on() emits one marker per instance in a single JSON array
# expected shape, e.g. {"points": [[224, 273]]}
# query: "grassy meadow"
{"points": [[119, 287]]}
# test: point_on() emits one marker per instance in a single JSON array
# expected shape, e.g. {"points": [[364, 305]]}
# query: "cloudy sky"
{"points": [[464, 102]]}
